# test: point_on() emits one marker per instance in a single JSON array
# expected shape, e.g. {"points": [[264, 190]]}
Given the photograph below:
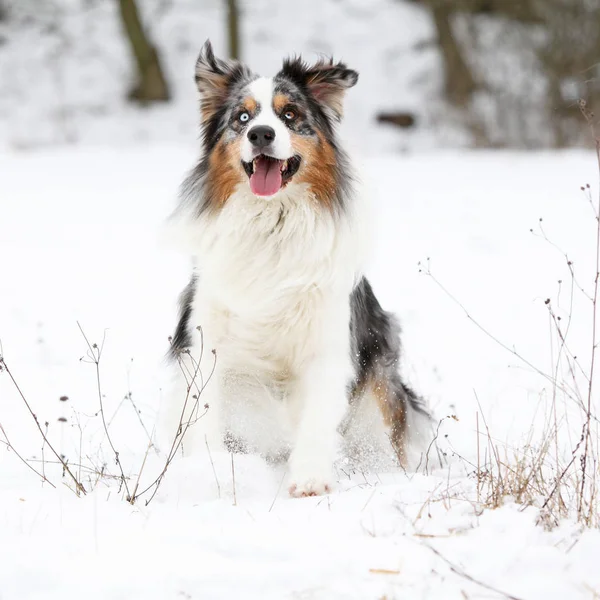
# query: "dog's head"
{"points": [[269, 133]]}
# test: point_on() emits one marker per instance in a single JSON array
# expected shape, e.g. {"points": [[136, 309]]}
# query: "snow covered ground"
{"points": [[80, 243]]}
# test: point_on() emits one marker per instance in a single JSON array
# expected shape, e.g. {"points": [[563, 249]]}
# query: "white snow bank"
{"points": [[78, 233]]}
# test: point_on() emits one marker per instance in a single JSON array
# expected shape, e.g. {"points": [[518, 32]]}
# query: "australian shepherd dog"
{"points": [[280, 337]]}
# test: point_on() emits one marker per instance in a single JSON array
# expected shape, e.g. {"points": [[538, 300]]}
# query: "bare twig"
{"points": [[233, 479], [478, 461], [560, 478], [78, 486], [183, 425], [46, 424], [9, 446], [137, 483], [462, 573], [92, 469], [212, 464], [277, 492], [585, 457], [427, 271], [433, 443], [95, 354]]}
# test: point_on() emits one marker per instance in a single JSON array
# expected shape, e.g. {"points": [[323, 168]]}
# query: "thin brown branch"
{"points": [[78, 486], [233, 479], [512, 351], [183, 426], [9, 446], [131, 500], [278, 490], [585, 457], [91, 470], [95, 354], [462, 573], [212, 464]]}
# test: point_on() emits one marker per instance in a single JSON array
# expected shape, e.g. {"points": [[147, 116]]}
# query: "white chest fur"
{"points": [[274, 278], [270, 272]]}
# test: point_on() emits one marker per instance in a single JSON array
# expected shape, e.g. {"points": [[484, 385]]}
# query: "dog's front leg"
{"points": [[321, 396]]}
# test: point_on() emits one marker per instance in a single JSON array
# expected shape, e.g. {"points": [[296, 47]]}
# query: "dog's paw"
{"points": [[309, 487]]}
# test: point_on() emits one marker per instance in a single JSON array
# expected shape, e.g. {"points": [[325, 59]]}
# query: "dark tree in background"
{"points": [[513, 71], [151, 85], [497, 73], [570, 56], [233, 29], [459, 83]]}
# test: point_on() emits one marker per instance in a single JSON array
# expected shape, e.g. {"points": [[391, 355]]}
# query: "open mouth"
{"points": [[268, 175]]}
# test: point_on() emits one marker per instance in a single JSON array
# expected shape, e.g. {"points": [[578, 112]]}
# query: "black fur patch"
{"points": [[182, 339], [375, 336]]}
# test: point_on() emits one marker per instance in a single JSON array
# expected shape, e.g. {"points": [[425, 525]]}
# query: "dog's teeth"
{"points": [[284, 165]]}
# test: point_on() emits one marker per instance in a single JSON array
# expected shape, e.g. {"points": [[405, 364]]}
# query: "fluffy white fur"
{"points": [[274, 279]]}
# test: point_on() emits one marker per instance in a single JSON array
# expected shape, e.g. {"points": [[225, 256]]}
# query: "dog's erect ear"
{"points": [[326, 81], [214, 77]]}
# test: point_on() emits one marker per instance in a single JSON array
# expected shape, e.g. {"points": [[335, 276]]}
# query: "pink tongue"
{"points": [[266, 179]]}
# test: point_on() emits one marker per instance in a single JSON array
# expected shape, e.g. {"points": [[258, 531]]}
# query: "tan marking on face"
{"points": [[280, 101], [318, 166], [250, 104], [224, 172]]}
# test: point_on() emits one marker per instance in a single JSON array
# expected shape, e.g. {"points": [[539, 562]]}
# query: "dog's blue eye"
{"points": [[244, 117]]}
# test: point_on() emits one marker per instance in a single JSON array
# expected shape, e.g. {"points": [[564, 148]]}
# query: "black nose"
{"points": [[261, 136]]}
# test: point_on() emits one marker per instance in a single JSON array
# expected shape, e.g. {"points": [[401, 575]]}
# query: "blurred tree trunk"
{"points": [[233, 29], [459, 84], [151, 85], [553, 47], [519, 10], [570, 60]]}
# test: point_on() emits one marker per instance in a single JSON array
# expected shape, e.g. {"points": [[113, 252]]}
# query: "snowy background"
{"points": [[65, 73], [86, 180]]}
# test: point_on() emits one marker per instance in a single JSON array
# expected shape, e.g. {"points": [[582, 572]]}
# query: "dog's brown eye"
{"points": [[289, 115]]}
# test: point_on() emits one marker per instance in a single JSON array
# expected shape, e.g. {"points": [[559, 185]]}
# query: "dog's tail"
{"points": [[415, 444], [377, 351]]}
